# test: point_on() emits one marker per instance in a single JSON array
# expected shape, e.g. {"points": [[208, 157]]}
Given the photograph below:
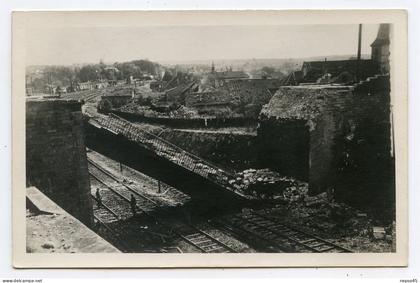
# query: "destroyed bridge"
{"points": [[166, 150]]}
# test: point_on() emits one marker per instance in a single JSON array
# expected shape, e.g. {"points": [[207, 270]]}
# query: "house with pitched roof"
{"points": [[346, 71]]}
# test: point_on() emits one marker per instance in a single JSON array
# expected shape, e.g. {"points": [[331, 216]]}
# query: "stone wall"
{"points": [[56, 157], [367, 172], [350, 145], [349, 140], [328, 133], [305, 125], [283, 146], [229, 150], [189, 123]]}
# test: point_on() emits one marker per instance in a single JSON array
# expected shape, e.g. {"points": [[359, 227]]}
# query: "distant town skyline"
{"points": [[67, 46]]}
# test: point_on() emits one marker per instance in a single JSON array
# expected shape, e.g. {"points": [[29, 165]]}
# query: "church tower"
{"points": [[380, 48]]}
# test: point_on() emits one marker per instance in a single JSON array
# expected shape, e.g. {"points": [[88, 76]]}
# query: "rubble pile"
{"points": [[138, 109], [181, 112], [322, 215], [319, 214], [296, 193], [122, 91], [184, 112], [266, 184]]}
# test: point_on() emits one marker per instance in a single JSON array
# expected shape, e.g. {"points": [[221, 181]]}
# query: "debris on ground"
{"points": [[48, 246], [338, 222], [379, 233], [267, 184], [316, 200], [181, 112], [295, 193]]}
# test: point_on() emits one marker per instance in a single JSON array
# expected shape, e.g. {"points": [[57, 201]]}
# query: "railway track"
{"points": [[203, 241], [150, 181], [123, 191], [116, 200], [104, 216], [103, 212], [277, 236]]}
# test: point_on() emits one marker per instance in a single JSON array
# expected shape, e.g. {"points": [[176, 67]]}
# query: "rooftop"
{"points": [[302, 102], [179, 89], [316, 69], [231, 75]]}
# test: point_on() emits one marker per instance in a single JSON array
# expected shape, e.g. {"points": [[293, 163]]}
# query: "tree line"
{"points": [[39, 77]]}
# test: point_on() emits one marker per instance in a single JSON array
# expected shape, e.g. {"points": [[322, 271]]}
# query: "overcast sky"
{"points": [[64, 46]]}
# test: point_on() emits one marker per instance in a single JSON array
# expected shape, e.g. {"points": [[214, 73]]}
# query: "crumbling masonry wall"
{"points": [[299, 131], [227, 149], [366, 176], [56, 157], [283, 146], [350, 147], [349, 140]]}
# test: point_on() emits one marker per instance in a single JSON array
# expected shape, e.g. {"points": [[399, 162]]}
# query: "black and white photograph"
{"points": [[209, 138]]}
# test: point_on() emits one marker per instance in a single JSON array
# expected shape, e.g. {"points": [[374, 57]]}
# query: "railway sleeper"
{"points": [[308, 241], [277, 236], [220, 249], [319, 244], [202, 242], [194, 235], [327, 249], [207, 247]]}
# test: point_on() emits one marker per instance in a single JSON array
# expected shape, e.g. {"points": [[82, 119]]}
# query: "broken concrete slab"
{"points": [[42, 203], [378, 232], [316, 200]]}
